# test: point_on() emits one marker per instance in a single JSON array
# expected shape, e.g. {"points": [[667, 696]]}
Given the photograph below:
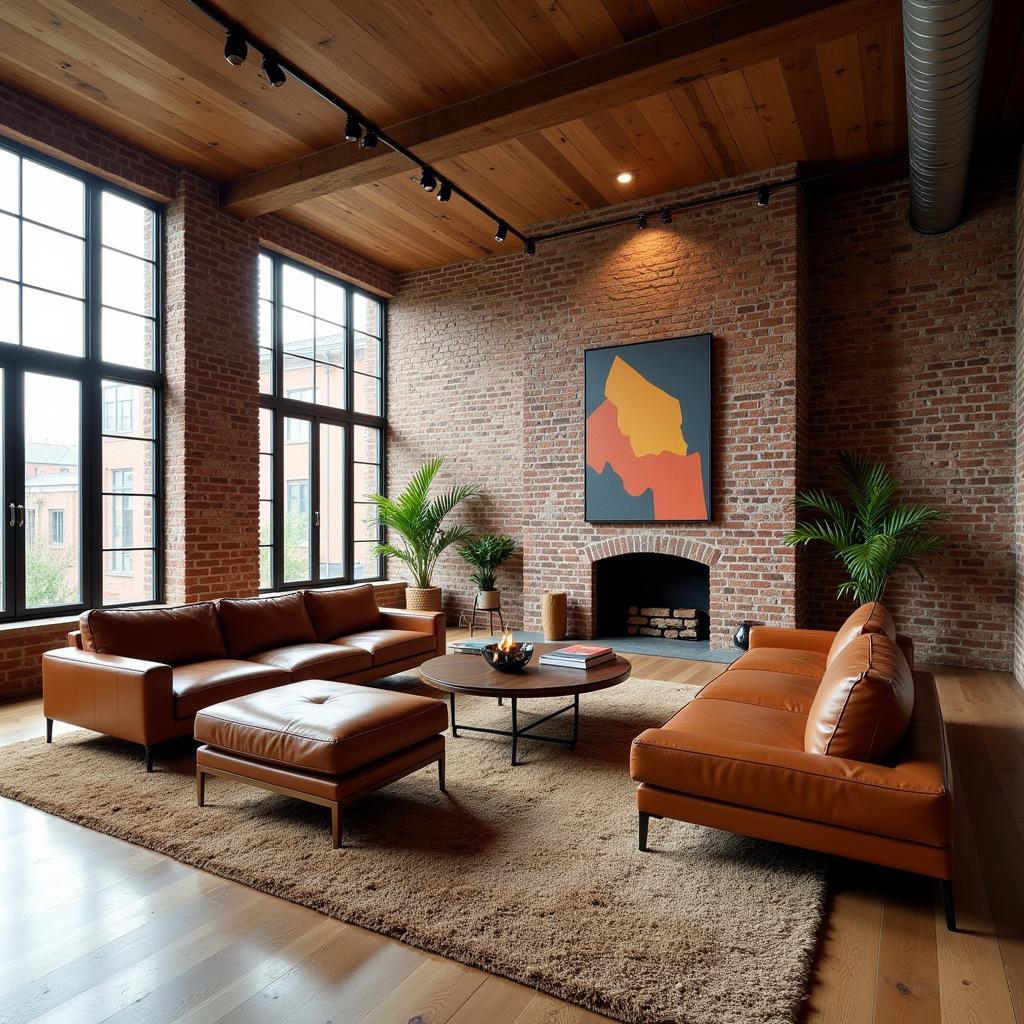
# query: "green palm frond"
{"points": [[869, 534], [414, 521]]}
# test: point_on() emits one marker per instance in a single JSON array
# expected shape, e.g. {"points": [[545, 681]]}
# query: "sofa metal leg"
{"points": [[149, 758], [200, 787], [949, 903], [336, 826], [645, 819], [49, 730], [440, 774]]}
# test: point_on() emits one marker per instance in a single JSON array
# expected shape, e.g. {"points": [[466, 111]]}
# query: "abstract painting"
{"points": [[648, 431]]}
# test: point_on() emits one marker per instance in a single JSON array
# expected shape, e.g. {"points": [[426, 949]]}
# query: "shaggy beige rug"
{"points": [[529, 872]]}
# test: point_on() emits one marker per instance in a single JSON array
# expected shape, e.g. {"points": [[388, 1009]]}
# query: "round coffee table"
{"points": [[470, 674]]}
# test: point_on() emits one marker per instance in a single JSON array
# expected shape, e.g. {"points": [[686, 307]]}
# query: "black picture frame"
{"points": [[706, 354]]}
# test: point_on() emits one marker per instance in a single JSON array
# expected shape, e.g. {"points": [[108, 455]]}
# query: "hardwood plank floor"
{"points": [[99, 930]]}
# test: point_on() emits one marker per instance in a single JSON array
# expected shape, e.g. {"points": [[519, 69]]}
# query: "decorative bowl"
{"points": [[513, 659]]}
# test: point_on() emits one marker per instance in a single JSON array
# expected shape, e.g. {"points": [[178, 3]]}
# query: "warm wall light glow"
{"points": [[624, 178]]}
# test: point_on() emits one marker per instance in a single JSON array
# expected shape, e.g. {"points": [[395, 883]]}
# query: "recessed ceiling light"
{"points": [[624, 177]]}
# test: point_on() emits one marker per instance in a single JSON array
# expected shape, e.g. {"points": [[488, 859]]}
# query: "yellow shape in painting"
{"points": [[648, 416]]}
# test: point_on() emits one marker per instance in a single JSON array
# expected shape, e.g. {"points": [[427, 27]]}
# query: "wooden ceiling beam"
{"points": [[727, 40]]}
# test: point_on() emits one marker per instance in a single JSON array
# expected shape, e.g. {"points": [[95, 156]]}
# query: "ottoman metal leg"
{"points": [[336, 825]]}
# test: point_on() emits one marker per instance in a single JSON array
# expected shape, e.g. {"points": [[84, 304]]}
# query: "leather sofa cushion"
{"points": [[864, 702], [315, 661], [339, 611], [321, 726], [810, 664], [171, 636], [872, 617], [202, 683], [260, 623], [388, 645], [767, 689], [750, 756]]}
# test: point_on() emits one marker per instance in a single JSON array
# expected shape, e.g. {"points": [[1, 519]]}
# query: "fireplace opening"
{"points": [[653, 595]]}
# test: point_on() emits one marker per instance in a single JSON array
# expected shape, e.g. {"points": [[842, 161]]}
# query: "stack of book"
{"points": [[470, 646], [578, 656]]}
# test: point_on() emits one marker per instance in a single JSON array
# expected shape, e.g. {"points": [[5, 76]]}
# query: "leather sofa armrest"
{"points": [[818, 640], [910, 800], [123, 697], [417, 622]]}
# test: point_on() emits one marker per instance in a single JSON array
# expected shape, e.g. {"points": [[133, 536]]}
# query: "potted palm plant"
{"points": [[485, 554], [417, 535], [870, 533]]}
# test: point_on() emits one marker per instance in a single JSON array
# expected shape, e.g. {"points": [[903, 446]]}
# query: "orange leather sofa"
{"points": [[141, 674], [827, 741]]}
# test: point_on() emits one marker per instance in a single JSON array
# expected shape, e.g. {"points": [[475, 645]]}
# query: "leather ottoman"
{"points": [[324, 742]]}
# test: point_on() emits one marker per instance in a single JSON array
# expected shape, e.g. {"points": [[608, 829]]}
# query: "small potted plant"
{"points": [[416, 532], [485, 554]]}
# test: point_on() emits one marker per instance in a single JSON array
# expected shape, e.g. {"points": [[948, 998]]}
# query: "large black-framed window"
{"points": [[322, 426], [80, 390]]}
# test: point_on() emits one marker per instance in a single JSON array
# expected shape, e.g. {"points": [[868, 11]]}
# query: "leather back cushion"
{"points": [[340, 612], [257, 624], [863, 703], [872, 617], [173, 636]]}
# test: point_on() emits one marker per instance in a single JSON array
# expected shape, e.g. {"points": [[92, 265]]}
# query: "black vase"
{"points": [[741, 638]]}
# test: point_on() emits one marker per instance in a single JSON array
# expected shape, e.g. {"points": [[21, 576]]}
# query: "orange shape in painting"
{"points": [[650, 418], [675, 480]]}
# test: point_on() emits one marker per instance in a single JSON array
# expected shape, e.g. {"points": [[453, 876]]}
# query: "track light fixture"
{"points": [[531, 247], [666, 216], [270, 67], [641, 221], [370, 139], [353, 129], [427, 180], [763, 196], [444, 193], [235, 48], [502, 233]]}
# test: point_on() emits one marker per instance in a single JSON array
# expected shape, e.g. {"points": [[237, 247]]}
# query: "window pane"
{"points": [[366, 567], [10, 244], [266, 371], [9, 313], [266, 572], [266, 324], [297, 288], [332, 501], [296, 539], [267, 477], [364, 516], [266, 522], [8, 181], [330, 385], [366, 480], [366, 394], [266, 430], [53, 322], [366, 314], [366, 355], [128, 339], [127, 520], [134, 455], [266, 275], [330, 301], [128, 409], [297, 333], [366, 444], [52, 491], [52, 260], [53, 198], [330, 343], [127, 283], [298, 380], [128, 226], [128, 576]]}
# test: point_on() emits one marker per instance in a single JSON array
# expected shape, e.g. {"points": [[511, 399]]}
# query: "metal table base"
{"points": [[527, 731]]}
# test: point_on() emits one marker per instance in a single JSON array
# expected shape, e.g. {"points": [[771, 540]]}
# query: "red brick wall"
{"points": [[913, 362], [1018, 652], [488, 359]]}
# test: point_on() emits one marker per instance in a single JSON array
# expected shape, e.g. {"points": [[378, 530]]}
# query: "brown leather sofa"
{"points": [[827, 741], [141, 674]]}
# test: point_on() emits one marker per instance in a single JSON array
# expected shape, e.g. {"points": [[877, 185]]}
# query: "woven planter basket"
{"points": [[423, 599]]}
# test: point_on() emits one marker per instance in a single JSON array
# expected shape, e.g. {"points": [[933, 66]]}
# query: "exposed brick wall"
{"points": [[21, 651], [1018, 650], [913, 363], [488, 359]]}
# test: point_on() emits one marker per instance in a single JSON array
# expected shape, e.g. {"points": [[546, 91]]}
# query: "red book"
{"points": [[584, 651]]}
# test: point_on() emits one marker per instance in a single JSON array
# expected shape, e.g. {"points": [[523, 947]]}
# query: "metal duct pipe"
{"points": [[944, 44]]}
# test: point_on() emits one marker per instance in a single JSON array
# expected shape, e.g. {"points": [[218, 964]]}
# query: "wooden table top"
{"points": [[469, 673]]}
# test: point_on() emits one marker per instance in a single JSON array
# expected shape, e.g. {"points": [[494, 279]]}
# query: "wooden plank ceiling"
{"points": [[152, 71]]}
